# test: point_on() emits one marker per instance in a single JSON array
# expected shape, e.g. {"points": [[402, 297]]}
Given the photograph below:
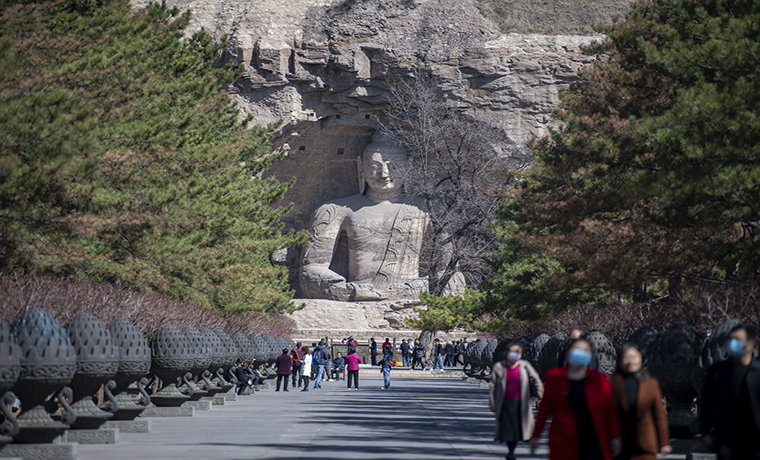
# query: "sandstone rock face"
{"points": [[324, 67]]}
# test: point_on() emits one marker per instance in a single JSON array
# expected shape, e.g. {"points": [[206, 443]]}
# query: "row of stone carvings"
{"points": [[45, 365], [678, 358]]}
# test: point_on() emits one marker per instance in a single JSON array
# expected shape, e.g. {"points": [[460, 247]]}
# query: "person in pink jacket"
{"points": [[352, 365]]}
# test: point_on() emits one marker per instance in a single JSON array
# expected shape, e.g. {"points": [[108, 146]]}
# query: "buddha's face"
{"points": [[383, 171]]}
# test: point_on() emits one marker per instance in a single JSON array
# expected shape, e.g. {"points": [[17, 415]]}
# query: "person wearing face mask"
{"points": [[730, 411], [584, 422], [638, 400], [513, 383]]}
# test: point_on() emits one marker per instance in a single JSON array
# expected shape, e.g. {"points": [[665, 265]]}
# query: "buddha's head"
{"points": [[382, 167]]}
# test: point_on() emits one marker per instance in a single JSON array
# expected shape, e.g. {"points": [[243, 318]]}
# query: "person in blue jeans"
{"points": [[386, 364], [438, 360], [320, 357], [405, 352]]}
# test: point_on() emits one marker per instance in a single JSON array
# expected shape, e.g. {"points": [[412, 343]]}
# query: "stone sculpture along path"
{"points": [[416, 419]]}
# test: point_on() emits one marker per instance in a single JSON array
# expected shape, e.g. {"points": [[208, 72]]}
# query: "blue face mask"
{"points": [[579, 357], [513, 356], [736, 347]]}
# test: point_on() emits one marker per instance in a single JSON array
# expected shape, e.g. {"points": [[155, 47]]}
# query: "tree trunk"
{"points": [[426, 339]]}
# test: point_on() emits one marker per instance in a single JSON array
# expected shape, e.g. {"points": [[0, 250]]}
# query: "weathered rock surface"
{"points": [[324, 67]]}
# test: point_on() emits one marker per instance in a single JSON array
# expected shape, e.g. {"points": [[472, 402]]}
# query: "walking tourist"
{"points": [[641, 414], [387, 363], [337, 367], [320, 358], [283, 365], [575, 334], [296, 356], [418, 353], [448, 352], [373, 351], [457, 352], [306, 363], [405, 353], [513, 383], [438, 353], [731, 400], [580, 401], [352, 365]]}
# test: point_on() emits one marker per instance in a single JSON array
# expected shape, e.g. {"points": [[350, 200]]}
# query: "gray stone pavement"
{"points": [[416, 419]]}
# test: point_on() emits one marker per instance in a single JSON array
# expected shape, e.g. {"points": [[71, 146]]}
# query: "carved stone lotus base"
{"points": [[209, 387], [225, 385], [192, 391], [89, 415], [128, 408], [37, 426], [169, 396]]}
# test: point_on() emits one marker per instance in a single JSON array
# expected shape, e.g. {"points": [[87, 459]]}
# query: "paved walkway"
{"points": [[416, 419]]}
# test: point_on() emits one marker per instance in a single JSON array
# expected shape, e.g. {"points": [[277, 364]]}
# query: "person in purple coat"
{"points": [[283, 364]]}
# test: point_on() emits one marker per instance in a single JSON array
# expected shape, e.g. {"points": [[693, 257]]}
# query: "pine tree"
{"points": [[652, 178], [122, 158]]}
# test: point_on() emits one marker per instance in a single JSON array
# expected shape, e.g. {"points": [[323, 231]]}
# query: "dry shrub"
{"points": [[704, 308], [65, 297]]}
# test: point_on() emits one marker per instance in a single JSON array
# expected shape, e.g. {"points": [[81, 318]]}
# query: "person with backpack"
{"points": [[320, 358], [448, 351]]}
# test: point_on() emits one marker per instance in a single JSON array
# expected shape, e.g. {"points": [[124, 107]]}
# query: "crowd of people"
{"points": [[594, 417]]}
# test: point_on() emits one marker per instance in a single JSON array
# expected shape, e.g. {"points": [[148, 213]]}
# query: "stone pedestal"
{"points": [[231, 396], [58, 451], [362, 320], [198, 405], [216, 400], [99, 436], [168, 412], [129, 426]]}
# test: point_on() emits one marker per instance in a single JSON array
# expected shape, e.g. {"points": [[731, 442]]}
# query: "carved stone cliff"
{"points": [[324, 67]]}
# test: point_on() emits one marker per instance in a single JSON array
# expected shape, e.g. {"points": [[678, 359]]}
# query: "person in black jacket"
{"points": [[242, 376], [418, 353], [438, 357], [404, 352], [373, 350], [448, 350], [730, 414]]}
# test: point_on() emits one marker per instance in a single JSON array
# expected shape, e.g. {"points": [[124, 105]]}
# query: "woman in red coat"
{"points": [[584, 424]]}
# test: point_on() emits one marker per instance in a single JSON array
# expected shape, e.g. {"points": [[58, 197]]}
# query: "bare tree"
{"points": [[458, 169]]}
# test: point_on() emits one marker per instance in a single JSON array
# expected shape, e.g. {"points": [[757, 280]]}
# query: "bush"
{"points": [[705, 309], [65, 297]]}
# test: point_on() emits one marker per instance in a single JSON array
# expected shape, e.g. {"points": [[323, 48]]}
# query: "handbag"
{"points": [[392, 362]]}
